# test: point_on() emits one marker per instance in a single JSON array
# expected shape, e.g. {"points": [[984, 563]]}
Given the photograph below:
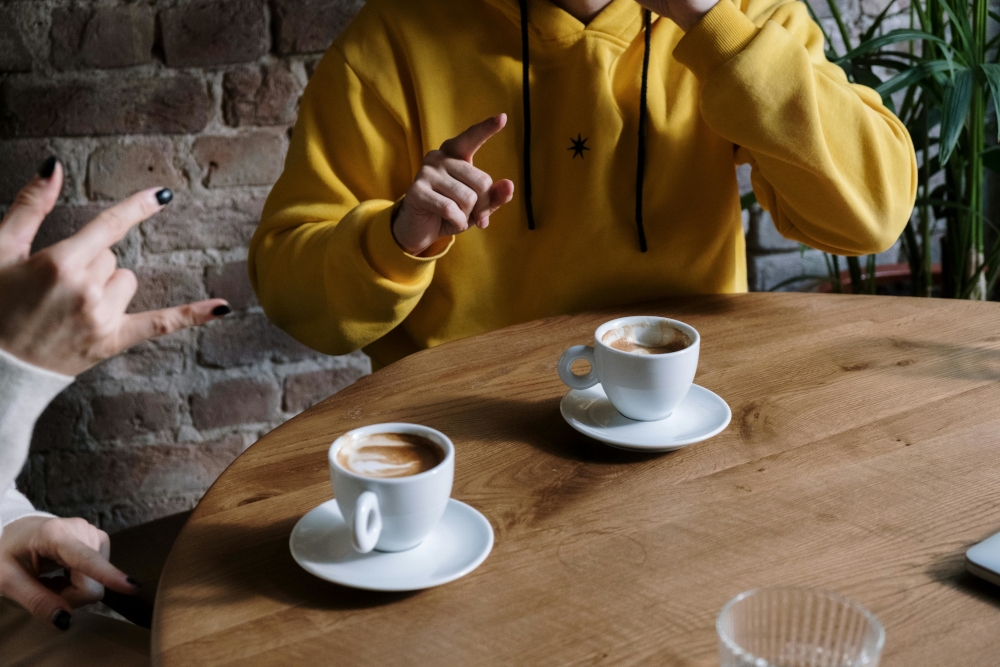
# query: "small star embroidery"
{"points": [[579, 145]]}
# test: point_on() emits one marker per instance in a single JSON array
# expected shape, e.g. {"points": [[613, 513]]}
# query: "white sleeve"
{"points": [[25, 390], [14, 506]]}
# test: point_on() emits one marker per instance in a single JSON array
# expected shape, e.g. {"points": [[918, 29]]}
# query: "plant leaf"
{"points": [[954, 111], [865, 77], [747, 200], [911, 76], [992, 73], [894, 37], [961, 29], [873, 28]]}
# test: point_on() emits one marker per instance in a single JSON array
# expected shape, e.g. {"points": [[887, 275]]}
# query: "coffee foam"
{"points": [[390, 455], [652, 337]]}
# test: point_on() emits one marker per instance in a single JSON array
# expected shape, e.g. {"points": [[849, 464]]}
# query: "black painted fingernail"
{"points": [[164, 196], [61, 619], [219, 311], [48, 167], [133, 582]]}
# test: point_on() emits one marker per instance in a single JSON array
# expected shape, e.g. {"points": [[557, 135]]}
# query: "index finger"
{"points": [[80, 558], [465, 145], [113, 223]]}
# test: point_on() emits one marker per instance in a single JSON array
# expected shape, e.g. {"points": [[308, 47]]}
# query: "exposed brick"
{"points": [[103, 37], [21, 159], [239, 401], [307, 389], [191, 468], [254, 158], [199, 224], [308, 26], [162, 356], [164, 286], [265, 95], [152, 471], [145, 359], [118, 170], [247, 339], [311, 66], [129, 414], [126, 104], [56, 427], [214, 33], [134, 511], [14, 54], [232, 283], [63, 222]]}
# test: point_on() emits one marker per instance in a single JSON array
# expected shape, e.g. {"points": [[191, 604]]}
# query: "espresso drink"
{"points": [[659, 338], [390, 455]]}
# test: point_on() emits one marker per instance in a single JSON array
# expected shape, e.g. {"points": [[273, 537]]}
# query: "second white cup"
{"points": [[644, 387]]}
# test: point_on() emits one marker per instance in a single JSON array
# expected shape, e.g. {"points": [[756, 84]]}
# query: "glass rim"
{"points": [[853, 604]]}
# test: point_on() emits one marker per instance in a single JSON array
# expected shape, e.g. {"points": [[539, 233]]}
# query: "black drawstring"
{"points": [[640, 167], [525, 94]]}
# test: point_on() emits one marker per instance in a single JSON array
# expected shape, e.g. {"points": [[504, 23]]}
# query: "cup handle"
{"points": [[367, 525], [566, 374]]}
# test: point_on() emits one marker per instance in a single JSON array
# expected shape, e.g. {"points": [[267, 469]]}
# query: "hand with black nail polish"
{"points": [[64, 307], [33, 545]]}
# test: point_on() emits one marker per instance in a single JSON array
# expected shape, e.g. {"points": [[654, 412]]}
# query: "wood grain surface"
{"points": [[863, 457]]}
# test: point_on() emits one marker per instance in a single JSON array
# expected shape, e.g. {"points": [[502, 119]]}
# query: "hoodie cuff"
{"points": [[722, 33], [391, 261]]}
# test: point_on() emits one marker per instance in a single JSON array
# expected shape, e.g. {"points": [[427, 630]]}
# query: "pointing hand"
{"points": [[63, 308], [449, 195]]}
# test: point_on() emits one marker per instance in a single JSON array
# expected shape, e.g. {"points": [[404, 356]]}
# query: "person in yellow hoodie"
{"points": [[618, 125]]}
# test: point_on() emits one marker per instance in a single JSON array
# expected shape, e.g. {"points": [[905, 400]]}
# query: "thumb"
{"points": [[31, 205], [500, 193], [465, 145], [21, 587]]}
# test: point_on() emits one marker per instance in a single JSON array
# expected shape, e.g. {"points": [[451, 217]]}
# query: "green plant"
{"points": [[939, 69]]}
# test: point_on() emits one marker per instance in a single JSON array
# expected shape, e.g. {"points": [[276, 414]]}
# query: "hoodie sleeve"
{"points": [[834, 168], [323, 260]]}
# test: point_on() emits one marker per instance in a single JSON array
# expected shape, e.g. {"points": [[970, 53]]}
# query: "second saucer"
{"points": [[701, 415]]}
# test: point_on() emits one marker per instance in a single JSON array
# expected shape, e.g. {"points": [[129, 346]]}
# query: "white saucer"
{"points": [[700, 415], [321, 544]]}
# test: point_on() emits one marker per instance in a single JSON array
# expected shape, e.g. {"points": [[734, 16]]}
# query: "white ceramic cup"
{"points": [[644, 387], [392, 513]]}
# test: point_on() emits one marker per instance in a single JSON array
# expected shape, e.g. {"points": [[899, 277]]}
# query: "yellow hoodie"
{"points": [[749, 83]]}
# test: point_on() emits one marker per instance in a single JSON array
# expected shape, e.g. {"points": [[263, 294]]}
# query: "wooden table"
{"points": [[863, 456]]}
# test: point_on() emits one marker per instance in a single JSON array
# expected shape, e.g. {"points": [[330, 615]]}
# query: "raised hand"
{"points": [[449, 195], [30, 544], [63, 308]]}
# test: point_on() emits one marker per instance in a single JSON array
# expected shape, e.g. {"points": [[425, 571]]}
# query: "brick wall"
{"points": [[198, 96]]}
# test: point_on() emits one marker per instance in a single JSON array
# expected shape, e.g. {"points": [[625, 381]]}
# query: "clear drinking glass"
{"points": [[797, 627]]}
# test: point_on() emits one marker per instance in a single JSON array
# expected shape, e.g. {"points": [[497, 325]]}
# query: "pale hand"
{"points": [[449, 195], [685, 13], [33, 545], [63, 308]]}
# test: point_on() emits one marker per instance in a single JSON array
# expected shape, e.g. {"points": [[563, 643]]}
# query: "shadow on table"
{"points": [[534, 422], [263, 566], [952, 573]]}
